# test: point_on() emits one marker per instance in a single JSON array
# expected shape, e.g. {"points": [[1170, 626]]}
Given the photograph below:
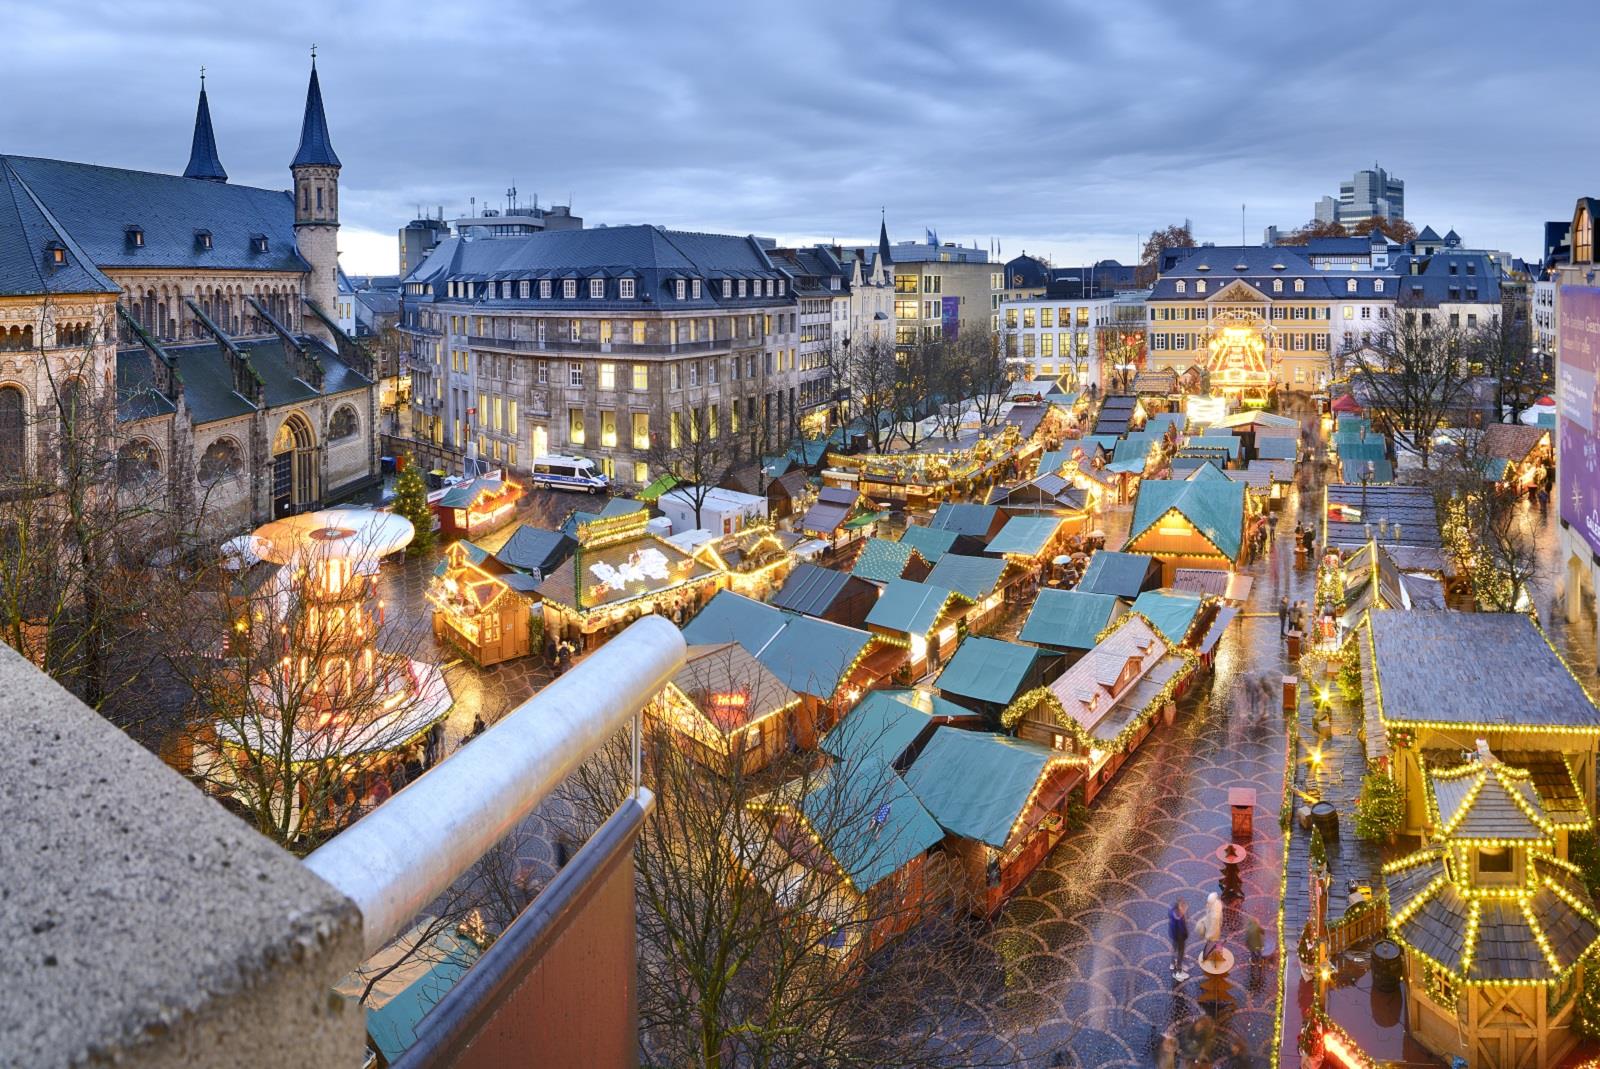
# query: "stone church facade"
{"points": [[201, 313]]}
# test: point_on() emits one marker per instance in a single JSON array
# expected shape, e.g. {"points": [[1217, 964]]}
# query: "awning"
{"points": [[1225, 616]]}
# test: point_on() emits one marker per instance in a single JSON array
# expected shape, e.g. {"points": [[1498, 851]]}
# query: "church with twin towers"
{"points": [[187, 323]]}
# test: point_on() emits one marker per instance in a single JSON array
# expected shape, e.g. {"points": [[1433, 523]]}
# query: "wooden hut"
{"points": [[480, 606], [477, 507], [1189, 524], [983, 579], [727, 710], [1070, 621], [827, 594], [927, 618], [987, 675], [1103, 706], [1003, 802], [882, 560]]}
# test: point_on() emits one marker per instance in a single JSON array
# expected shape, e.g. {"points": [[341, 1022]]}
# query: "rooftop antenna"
{"points": [[1242, 242]]}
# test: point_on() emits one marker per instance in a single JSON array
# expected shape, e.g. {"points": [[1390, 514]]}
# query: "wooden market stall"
{"points": [[1190, 524], [1102, 707], [480, 606], [477, 507], [927, 618], [727, 710], [1518, 457], [1004, 803], [620, 572], [987, 675], [983, 579], [757, 559]]}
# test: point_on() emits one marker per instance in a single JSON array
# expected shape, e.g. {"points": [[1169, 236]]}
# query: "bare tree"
{"points": [[1412, 376], [1493, 540], [1122, 355], [698, 450], [987, 369], [915, 384], [755, 947], [1502, 348], [867, 371], [1159, 241], [93, 525]]}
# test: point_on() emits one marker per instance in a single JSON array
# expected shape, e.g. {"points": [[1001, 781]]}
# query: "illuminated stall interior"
{"points": [[477, 507], [480, 606], [757, 559], [1190, 524], [928, 618], [619, 573], [1496, 922], [727, 710]]}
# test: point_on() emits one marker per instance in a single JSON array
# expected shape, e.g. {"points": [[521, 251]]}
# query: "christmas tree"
{"points": [[411, 501]]}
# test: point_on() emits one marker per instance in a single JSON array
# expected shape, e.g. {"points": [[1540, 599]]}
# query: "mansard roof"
{"points": [[1256, 266], [98, 206]]}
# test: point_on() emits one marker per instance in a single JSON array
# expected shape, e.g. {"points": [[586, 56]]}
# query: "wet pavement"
{"points": [[1082, 949]]}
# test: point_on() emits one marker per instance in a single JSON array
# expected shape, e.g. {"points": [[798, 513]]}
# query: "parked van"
{"points": [[568, 473]]}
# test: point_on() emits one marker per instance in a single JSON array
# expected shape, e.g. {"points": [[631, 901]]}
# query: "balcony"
{"points": [[626, 348], [154, 928]]}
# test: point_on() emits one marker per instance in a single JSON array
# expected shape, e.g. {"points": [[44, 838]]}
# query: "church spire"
{"points": [[883, 241], [316, 148], [203, 161]]}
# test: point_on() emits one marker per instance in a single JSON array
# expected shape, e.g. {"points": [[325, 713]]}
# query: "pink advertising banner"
{"points": [[1578, 410]]}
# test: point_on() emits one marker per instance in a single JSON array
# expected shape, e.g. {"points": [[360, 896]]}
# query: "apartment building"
{"points": [[1056, 334], [941, 290], [601, 342]]}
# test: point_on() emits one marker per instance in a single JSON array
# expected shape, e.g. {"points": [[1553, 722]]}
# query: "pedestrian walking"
{"points": [[1255, 940], [1210, 926], [1283, 616], [1178, 932]]}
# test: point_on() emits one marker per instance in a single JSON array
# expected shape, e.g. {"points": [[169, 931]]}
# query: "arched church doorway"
{"points": [[294, 467]]}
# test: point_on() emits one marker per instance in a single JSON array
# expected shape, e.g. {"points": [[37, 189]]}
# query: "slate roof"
{"points": [[1412, 507], [1512, 441], [1255, 267], [654, 256], [809, 655], [912, 608], [203, 161], [989, 670], [27, 230], [137, 394], [1281, 447], [1229, 443], [208, 382], [316, 147], [1478, 801], [1216, 509], [1474, 668], [1121, 574], [975, 783], [97, 204], [931, 542], [881, 560], [1427, 281], [1086, 694], [976, 577], [812, 589], [1116, 411], [728, 668], [1069, 619], [1025, 536]]}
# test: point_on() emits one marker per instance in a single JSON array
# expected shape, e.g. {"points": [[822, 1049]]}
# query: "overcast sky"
{"points": [[1062, 129]]}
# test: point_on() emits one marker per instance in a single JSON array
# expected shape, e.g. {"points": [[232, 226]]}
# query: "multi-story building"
{"points": [[602, 342], [1369, 194], [1057, 334], [1257, 316], [941, 290], [1025, 276], [1544, 321], [1450, 285], [208, 306], [420, 237]]}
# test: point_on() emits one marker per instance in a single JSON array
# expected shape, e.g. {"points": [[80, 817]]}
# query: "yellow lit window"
{"points": [[608, 375], [641, 376], [641, 472], [608, 428], [638, 332], [1047, 317], [641, 430], [605, 331], [712, 422], [575, 426], [511, 416]]}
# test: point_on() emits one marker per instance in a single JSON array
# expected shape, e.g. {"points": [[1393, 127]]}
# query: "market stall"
{"points": [[727, 710], [477, 507], [481, 607]]}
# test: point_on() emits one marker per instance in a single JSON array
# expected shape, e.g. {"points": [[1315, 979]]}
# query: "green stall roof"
{"points": [[808, 655], [931, 542], [1069, 619], [989, 670], [1171, 612], [872, 823], [882, 560], [1026, 536], [911, 607], [1216, 509], [886, 723], [976, 577], [975, 783]]}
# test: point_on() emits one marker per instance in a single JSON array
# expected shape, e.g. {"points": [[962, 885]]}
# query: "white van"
{"points": [[568, 473]]}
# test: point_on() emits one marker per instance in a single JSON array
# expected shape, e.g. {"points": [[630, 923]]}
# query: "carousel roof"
{"points": [[334, 534]]}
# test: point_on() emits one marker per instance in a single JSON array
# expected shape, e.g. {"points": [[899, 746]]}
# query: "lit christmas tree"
{"points": [[411, 501]]}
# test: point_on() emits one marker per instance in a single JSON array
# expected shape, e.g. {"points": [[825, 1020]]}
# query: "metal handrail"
{"points": [[397, 859]]}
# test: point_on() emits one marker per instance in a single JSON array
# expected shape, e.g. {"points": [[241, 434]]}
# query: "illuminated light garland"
{"points": [[1025, 704]]}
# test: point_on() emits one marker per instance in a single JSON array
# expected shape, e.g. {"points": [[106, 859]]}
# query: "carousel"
{"points": [[1238, 362], [320, 690]]}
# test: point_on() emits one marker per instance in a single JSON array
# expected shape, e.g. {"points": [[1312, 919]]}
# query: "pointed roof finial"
{"points": [[316, 147], [883, 239], [313, 55], [203, 161]]}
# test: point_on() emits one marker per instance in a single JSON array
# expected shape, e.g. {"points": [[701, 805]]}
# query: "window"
{"points": [[641, 430], [1350, 285], [1027, 317], [220, 461], [136, 237], [694, 373], [1349, 313], [608, 428], [1199, 285], [677, 289], [1494, 861], [1299, 285], [677, 377], [522, 289], [1047, 344], [575, 329], [1181, 286], [641, 376], [694, 289], [544, 288], [569, 288], [511, 416], [138, 463], [641, 472], [711, 372], [544, 368], [1277, 285], [1366, 311], [575, 426], [605, 332], [202, 241], [575, 373], [257, 243], [608, 376], [541, 331], [1377, 285], [597, 288], [727, 288], [344, 424], [637, 334], [625, 288], [713, 421]]}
